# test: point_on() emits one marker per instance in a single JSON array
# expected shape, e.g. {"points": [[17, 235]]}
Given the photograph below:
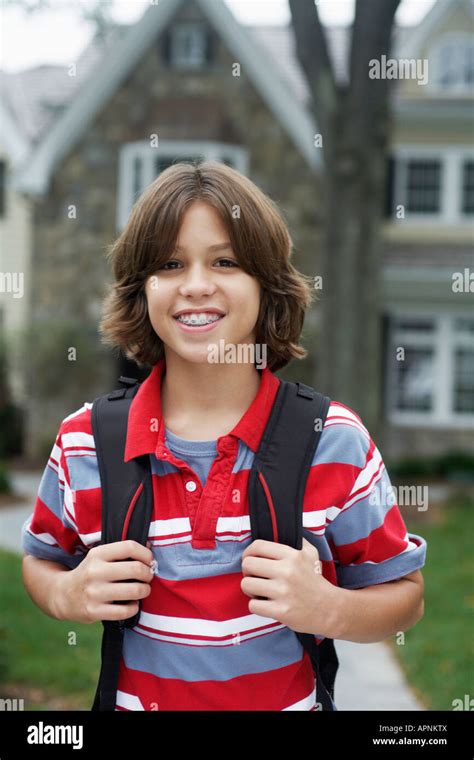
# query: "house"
{"points": [[188, 81]]}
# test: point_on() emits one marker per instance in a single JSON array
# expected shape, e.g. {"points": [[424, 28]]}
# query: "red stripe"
{"points": [[271, 506], [130, 511]]}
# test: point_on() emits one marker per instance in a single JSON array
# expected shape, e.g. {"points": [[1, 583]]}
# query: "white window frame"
{"points": [[451, 158], [444, 340], [178, 31], [458, 40], [142, 151]]}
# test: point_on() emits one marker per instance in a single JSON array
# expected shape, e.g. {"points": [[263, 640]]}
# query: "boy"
{"points": [[204, 261]]}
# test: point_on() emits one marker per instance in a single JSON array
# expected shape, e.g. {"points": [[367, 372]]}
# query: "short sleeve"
{"points": [[367, 534], [50, 531]]}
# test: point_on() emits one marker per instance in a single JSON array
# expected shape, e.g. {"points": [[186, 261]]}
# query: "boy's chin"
{"points": [[197, 355]]}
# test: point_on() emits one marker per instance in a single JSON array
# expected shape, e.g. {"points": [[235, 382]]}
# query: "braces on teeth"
{"points": [[201, 319]]}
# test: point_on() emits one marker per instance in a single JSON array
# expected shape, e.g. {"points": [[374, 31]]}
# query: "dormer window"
{"points": [[188, 45], [452, 64]]}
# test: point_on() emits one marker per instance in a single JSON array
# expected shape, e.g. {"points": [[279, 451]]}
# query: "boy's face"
{"points": [[197, 279]]}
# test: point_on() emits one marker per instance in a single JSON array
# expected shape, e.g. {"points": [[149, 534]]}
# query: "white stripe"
{"points": [[87, 405], [75, 439], [363, 494], [365, 476], [168, 527], [314, 519], [80, 453], [199, 627], [129, 701], [237, 639], [304, 704], [90, 538], [236, 524], [339, 411], [164, 529]]}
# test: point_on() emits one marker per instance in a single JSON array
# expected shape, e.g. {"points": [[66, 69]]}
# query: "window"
{"points": [[187, 45], [414, 382], [452, 60], [432, 183], [423, 183], [140, 164], [430, 363], [468, 187], [2, 187], [464, 380]]}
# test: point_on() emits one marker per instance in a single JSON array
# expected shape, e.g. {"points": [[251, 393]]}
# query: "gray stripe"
{"points": [[342, 444], [366, 574], [50, 492], [358, 521], [211, 663], [83, 472]]}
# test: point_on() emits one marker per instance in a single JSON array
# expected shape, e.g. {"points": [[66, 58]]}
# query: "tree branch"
{"points": [[371, 38], [312, 53]]}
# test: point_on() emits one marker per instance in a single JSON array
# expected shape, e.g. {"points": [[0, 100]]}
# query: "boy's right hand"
{"points": [[87, 593]]}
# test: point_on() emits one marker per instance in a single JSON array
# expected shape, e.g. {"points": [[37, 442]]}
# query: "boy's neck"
{"points": [[203, 401]]}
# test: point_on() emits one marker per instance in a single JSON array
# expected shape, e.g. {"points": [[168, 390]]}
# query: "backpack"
{"points": [[280, 469]]}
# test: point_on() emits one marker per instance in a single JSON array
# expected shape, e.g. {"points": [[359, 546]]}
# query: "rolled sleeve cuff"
{"points": [[37, 548], [371, 573]]}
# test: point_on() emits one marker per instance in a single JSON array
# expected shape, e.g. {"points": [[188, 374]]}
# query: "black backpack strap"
{"points": [[276, 491], [127, 503]]}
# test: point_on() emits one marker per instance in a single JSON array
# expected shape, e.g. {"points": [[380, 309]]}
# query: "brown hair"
{"points": [[259, 238]]}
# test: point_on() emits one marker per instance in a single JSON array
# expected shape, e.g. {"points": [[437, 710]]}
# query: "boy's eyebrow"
{"points": [[216, 247]]}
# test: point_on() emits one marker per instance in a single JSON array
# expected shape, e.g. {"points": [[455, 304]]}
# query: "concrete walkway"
{"points": [[368, 678]]}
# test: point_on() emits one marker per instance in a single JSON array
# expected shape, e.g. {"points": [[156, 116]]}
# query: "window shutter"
{"points": [[389, 187], [210, 46], [166, 48]]}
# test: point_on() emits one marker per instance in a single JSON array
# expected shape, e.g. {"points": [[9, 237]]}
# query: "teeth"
{"points": [[198, 319]]}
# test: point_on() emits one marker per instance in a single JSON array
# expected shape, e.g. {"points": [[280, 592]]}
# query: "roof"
{"points": [[119, 51], [41, 99]]}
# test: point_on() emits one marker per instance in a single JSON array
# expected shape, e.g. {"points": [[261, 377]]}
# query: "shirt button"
{"points": [[191, 486]]}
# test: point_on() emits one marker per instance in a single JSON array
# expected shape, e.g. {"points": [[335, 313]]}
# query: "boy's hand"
{"points": [[296, 593], [87, 593]]}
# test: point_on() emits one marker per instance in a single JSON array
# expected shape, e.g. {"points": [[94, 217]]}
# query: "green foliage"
{"points": [[439, 651], [455, 466], [37, 650], [5, 482]]}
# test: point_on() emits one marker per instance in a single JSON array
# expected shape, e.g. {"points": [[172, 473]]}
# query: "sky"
{"points": [[58, 35]]}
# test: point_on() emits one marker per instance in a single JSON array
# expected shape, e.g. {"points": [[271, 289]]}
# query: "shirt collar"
{"points": [[146, 429]]}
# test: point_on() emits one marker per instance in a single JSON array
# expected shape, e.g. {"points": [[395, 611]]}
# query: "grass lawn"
{"points": [[38, 660], [438, 654]]}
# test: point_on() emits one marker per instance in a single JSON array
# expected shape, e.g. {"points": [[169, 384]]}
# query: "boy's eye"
{"points": [[228, 263], [232, 262]]}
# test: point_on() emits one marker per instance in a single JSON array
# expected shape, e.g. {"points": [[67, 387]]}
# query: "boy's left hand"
{"points": [[296, 592]]}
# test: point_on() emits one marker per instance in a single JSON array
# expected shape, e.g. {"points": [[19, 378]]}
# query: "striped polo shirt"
{"points": [[196, 646]]}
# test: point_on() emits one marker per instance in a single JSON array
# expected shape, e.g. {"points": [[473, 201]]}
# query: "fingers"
{"points": [[128, 549], [127, 571], [263, 568], [111, 592], [269, 549], [259, 587], [116, 611]]}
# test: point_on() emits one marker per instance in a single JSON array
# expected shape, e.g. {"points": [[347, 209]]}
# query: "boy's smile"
{"points": [[202, 289]]}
